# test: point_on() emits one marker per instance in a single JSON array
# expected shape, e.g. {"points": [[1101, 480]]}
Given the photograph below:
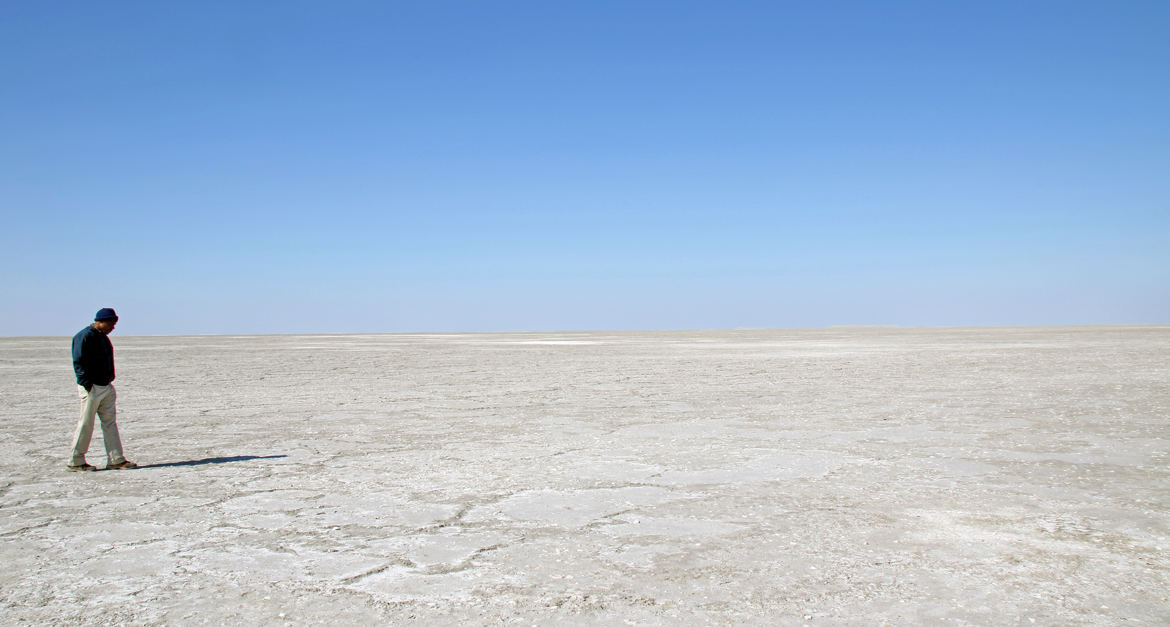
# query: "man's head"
{"points": [[105, 320]]}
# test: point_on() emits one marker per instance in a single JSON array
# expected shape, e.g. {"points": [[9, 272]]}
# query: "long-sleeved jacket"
{"points": [[93, 358]]}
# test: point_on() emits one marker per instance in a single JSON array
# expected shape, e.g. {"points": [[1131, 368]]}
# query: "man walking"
{"points": [[93, 362]]}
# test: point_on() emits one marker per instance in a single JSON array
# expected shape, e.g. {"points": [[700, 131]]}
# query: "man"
{"points": [[93, 362]]}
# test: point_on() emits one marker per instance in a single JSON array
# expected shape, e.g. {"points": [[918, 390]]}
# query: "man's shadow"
{"points": [[213, 460]]}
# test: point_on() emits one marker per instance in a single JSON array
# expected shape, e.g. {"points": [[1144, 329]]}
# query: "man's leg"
{"points": [[89, 404], [107, 410]]}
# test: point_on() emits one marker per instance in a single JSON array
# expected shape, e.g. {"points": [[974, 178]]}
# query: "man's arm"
{"points": [[79, 362]]}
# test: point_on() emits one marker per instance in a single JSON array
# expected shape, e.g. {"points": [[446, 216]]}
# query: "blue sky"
{"points": [[276, 167]]}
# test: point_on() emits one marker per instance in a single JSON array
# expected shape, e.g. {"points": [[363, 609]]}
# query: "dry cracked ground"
{"points": [[843, 476]]}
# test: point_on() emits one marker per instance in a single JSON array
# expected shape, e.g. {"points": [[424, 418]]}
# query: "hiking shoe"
{"points": [[81, 468], [122, 465]]}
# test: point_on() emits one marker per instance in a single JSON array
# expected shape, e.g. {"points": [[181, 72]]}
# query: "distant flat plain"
{"points": [[839, 476]]}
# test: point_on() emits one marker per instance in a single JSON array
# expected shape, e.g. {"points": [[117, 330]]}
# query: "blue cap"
{"points": [[105, 313]]}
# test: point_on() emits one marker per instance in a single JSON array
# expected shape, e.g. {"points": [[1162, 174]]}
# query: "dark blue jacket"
{"points": [[93, 358]]}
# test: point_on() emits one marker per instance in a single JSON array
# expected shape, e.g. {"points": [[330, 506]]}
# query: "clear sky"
{"points": [[274, 167]]}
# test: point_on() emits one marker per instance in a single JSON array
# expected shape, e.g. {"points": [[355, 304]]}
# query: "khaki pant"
{"points": [[100, 401]]}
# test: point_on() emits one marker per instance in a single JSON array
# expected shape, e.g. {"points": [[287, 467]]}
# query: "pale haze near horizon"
{"points": [[221, 167]]}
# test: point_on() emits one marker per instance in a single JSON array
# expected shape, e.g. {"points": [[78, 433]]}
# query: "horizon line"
{"points": [[837, 327]]}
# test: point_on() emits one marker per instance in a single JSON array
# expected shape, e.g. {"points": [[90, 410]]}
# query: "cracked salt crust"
{"points": [[844, 476]]}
